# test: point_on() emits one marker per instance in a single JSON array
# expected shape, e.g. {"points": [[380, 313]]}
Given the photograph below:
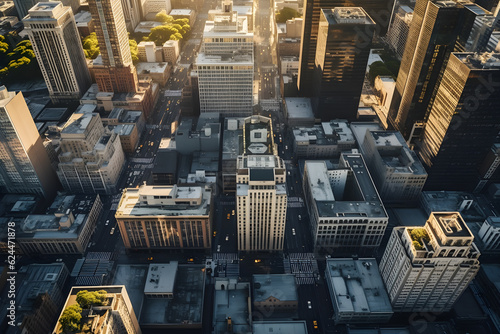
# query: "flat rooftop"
{"points": [[299, 107], [242, 60], [359, 130], [280, 327], [134, 201], [185, 308], [232, 142], [357, 285], [480, 61], [365, 203], [174, 12], [78, 122], [347, 15], [280, 286], [161, 278], [452, 224], [234, 304], [155, 68]]}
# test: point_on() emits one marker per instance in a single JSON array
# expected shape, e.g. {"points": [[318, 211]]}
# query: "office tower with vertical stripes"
{"points": [[53, 33]]}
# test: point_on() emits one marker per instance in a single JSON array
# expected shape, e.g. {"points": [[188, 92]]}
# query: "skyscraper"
{"points": [[463, 122], [23, 6], [433, 33], [118, 73], [343, 47], [378, 10], [24, 163], [426, 268], [53, 33], [225, 65], [261, 199]]}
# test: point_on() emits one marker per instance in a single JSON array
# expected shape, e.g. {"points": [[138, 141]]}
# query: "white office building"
{"points": [[490, 234], [426, 268], [261, 197], [225, 65], [56, 42], [346, 213]]}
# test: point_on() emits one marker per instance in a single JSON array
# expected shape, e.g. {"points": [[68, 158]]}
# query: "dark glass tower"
{"points": [[344, 40], [379, 10], [433, 34], [463, 122]]}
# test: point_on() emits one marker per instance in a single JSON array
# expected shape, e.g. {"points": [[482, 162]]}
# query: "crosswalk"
{"points": [[303, 266], [142, 160], [226, 264]]}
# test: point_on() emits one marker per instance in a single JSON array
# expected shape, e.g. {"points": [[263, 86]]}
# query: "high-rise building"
{"points": [[433, 33], [53, 33], [399, 29], [24, 163], [346, 213], [155, 217], [115, 315], [379, 10], [261, 199], [477, 26], [91, 159], [225, 65], [343, 47], [426, 268], [117, 74], [463, 122], [131, 13], [23, 6]]}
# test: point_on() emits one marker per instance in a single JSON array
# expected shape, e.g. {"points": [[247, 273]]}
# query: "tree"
{"points": [[134, 50], [376, 69], [86, 298], [91, 46], [161, 34], [70, 318], [181, 22], [163, 17], [285, 14]]}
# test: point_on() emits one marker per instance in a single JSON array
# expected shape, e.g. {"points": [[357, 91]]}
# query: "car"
{"points": [[59, 260], [293, 231], [107, 222], [300, 217], [232, 213], [315, 324], [227, 237], [215, 233], [150, 258], [288, 173], [228, 216], [218, 248], [191, 260], [112, 230], [309, 305], [257, 260]]}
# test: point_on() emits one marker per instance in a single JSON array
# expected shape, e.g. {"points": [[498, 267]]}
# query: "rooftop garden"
{"points": [[418, 235], [71, 318]]}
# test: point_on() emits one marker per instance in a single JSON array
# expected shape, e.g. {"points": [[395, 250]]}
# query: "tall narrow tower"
{"points": [[379, 10], [52, 30], [433, 33], [463, 123], [118, 73], [260, 189], [24, 163], [344, 41]]}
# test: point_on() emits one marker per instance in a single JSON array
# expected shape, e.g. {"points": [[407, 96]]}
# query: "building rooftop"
{"points": [[146, 68], [161, 278], [280, 327], [282, 287], [146, 26], [187, 309], [299, 107], [452, 224], [82, 18], [232, 143], [439, 201], [64, 219], [357, 285], [243, 60], [258, 137], [78, 122], [479, 61], [165, 201], [174, 12], [232, 303], [347, 15], [395, 153], [359, 130]]}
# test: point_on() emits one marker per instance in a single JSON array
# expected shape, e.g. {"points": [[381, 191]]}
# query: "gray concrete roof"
{"points": [[282, 287]]}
